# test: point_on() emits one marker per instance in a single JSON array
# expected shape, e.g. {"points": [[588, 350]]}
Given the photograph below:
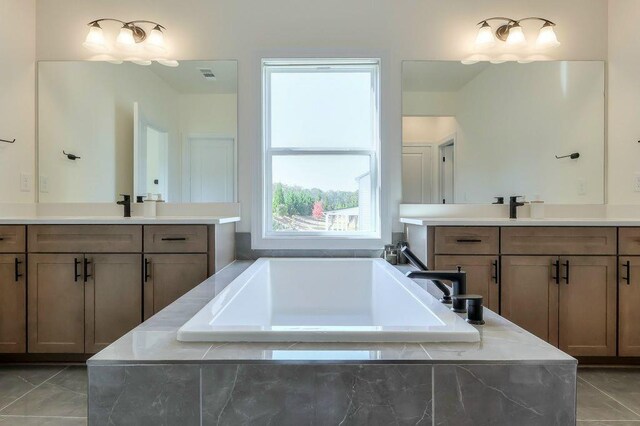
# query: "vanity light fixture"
{"points": [[133, 43]]}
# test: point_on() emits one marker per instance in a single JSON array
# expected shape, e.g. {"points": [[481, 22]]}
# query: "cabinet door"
{"points": [[629, 307], [482, 275], [113, 297], [56, 303], [530, 294], [169, 276], [13, 309], [588, 305]]}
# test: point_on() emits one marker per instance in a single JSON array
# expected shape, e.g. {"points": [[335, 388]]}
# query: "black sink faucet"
{"points": [[127, 205], [513, 206]]}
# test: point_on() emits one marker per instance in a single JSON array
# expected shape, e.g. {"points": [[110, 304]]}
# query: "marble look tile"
{"points": [[507, 394], [609, 423], [144, 395], [621, 384], [595, 405], [49, 399], [16, 381], [316, 394], [42, 421]]}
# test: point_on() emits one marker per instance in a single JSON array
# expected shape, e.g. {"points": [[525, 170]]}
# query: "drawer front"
{"points": [[175, 239], [12, 239], [85, 238], [629, 241], [466, 240], [559, 240]]}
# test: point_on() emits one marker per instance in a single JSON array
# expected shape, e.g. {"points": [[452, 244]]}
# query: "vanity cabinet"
{"points": [[13, 309], [629, 292], [482, 275]]}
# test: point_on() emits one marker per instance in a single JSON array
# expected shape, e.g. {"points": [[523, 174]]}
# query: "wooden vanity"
{"points": [[576, 287], [68, 289]]}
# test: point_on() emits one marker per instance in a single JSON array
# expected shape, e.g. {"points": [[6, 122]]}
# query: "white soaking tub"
{"points": [[325, 300]]}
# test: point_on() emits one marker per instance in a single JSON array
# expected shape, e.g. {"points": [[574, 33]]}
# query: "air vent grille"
{"points": [[208, 74]]}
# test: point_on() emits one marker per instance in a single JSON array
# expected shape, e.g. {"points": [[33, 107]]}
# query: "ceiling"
{"points": [[187, 77], [438, 76]]}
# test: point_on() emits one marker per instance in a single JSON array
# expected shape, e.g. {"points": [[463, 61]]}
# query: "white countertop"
{"points": [[112, 220], [496, 221]]}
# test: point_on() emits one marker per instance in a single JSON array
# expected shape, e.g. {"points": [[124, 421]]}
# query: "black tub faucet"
{"points": [[127, 204], [513, 206], [458, 283]]}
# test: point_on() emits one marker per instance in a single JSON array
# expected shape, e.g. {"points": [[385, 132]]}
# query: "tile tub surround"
{"points": [[508, 377]]}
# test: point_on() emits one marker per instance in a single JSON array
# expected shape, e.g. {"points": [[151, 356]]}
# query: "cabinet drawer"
{"points": [[559, 240], [175, 239], [629, 241], [85, 238], [466, 240], [12, 239]]}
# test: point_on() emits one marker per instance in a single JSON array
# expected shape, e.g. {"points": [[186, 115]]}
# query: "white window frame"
{"points": [[335, 239]]}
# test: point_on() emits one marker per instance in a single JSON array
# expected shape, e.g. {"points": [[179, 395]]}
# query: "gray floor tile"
{"points": [[42, 421], [594, 405], [621, 384], [16, 381], [63, 395], [606, 423]]}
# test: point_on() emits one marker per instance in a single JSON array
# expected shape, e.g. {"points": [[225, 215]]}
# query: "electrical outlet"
{"points": [[25, 182], [582, 187], [44, 184], [636, 182]]}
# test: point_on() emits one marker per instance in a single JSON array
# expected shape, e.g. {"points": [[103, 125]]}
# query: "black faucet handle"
{"points": [[127, 197], [499, 200], [474, 307], [514, 198]]}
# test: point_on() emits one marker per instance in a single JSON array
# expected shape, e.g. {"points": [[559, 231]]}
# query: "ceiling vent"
{"points": [[208, 74]]}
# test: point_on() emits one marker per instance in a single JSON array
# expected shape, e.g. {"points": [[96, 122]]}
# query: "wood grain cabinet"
{"points": [[13, 310], [482, 275], [629, 306], [169, 276]]}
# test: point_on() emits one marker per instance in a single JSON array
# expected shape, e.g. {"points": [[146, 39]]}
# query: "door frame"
{"points": [[186, 162], [138, 116], [445, 142]]}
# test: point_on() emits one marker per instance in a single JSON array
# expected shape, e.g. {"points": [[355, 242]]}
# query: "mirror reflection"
{"points": [[475, 132], [169, 133]]}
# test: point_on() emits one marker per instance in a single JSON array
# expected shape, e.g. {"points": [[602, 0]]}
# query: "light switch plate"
{"points": [[25, 182], [44, 184]]}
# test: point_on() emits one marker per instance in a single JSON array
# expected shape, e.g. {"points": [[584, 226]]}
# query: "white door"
{"points": [[211, 173], [447, 163], [150, 156], [417, 174]]}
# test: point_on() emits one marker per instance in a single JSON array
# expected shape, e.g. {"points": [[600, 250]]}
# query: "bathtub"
{"points": [[325, 300]]}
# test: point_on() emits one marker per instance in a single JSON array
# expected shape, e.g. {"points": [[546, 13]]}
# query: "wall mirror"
{"points": [[107, 129], [474, 132]]}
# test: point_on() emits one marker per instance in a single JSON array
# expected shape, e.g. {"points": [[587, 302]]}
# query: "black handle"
{"points": [[174, 239], [146, 270], [468, 240], [566, 277], [556, 266], [627, 266], [17, 270], [495, 271], [86, 269], [1, 238], [76, 275]]}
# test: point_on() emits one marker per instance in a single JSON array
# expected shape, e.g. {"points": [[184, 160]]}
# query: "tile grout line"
{"points": [[606, 394], [28, 392], [11, 416]]}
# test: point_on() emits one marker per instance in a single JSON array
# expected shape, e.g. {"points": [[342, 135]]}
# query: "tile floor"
{"points": [[56, 396]]}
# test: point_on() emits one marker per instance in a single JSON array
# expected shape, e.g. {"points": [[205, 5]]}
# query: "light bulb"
{"points": [[485, 36], [547, 36], [155, 41], [95, 39], [167, 62], [125, 39], [516, 36]]}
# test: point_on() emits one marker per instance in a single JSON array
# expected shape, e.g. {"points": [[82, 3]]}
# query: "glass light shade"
{"points": [[125, 39], [167, 62], [155, 41], [547, 37], [95, 40], [140, 61], [516, 36], [485, 36], [106, 58]]}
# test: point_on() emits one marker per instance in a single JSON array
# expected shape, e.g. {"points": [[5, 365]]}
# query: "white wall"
{"points": [[17, 98], [427, 130], [249, 30]]}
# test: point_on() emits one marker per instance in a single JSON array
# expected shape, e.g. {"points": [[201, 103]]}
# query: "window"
{"points": [[321, 149]]}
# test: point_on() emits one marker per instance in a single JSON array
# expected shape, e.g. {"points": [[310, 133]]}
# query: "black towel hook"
{"points": [[573, 156], [71, 156], [7, 141]]}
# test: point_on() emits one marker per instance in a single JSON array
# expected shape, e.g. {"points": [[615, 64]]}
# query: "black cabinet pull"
{"points": [[566, 277], [1, 238], [146, 270], [627, 266], [468, 240], [495, 271], [556, 266], [174, 239], [76, 274], [17, 270], [86, 269]]}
